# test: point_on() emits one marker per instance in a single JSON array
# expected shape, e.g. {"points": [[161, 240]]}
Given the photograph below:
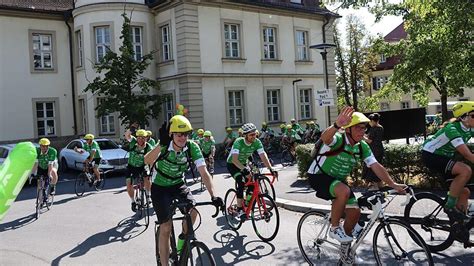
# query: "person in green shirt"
{"points": [[47, 163], [138, 147], [296, 127], [237, 161], [282, 129], [208, 147], [170, 160], [439, 155], [95, 154], [149, 139], [199, 136], [334, 161], [229, 137]]}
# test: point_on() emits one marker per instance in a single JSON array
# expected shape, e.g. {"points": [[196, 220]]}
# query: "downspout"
{"points": [[67, 16], [326, 22]]}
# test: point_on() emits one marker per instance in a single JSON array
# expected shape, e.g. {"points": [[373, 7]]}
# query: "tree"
{"points": [[438, 51], [121, 85], [354, 63]]}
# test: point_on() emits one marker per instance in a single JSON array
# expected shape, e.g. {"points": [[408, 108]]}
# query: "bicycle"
{"points": [[87, 176], [286, 157], [141, 199], [43, 197], [194, 252], [436, 228], [266, 186], [388, 238], [261, 208]]}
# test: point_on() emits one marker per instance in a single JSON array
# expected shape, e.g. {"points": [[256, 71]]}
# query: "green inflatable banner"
{"points": [[14, 172]]}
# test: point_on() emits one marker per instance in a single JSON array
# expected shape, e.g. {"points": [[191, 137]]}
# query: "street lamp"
{"points": [[324, 47], [295, 103]]}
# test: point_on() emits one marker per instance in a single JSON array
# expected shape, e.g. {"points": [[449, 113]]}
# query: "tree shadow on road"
{"points": [[302, 186], [125, 230], [233, 243], [18, 223]]}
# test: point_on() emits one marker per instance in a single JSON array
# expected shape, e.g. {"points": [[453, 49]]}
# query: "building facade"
{"points": [[227, 62]]}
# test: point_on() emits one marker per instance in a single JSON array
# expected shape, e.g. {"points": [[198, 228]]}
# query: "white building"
{"points": [[227, 62]]}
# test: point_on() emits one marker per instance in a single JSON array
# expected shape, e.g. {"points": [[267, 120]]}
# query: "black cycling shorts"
{"points": [[322, 184], [439, 164], [42, 172], [135, 172], [162, 197]]}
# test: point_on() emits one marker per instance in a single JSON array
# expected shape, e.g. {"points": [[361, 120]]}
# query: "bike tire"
{"points": [[50, 201], [39, 199], [146, 207], [433, 225], [264, 212], [312, 234], [80, 184], [391, 252], [200, 255], [266, 187], [230, 208], [286, 158]]}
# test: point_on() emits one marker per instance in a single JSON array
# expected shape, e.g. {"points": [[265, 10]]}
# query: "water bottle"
{"points": [[248, 198]]}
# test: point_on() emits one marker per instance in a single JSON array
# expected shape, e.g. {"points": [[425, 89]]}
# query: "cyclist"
{"points": [[170, 160], [208, 147], [267, 134], [240, 132], [296, 127], [47, 163], [334, 161], [138, 147], [282, 130], [149, 139], [291, 139], [229, 138], [439, 155], [197, 138], [238, 158], [95, 154]]}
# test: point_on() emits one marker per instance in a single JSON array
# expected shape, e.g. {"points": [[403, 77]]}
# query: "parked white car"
{"points": [[5, 149], [113, 157]]}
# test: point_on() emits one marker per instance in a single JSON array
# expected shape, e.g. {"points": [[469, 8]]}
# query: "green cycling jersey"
{"points": [[206, 146], [136, 156], [445, 141], [245, 150], [46, 158], [93, 147]]}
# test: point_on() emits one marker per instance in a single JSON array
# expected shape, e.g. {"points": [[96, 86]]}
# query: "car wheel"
{"points": [[64, 167]]}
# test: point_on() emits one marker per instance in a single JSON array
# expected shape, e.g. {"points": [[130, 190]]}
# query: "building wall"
{"points": [[19, 85]]}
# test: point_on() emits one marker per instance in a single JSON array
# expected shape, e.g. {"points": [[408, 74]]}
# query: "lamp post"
{"points": [[294, 98], [324, 47]]}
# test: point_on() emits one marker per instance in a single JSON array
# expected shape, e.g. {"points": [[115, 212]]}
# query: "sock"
{"points": [[451, 202], [132, 200]]}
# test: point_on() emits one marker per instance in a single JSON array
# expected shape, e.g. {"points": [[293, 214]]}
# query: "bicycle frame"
{"points": [[253, 181]]}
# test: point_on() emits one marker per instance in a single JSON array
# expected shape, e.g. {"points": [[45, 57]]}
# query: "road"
{"points": [[99, 228]]}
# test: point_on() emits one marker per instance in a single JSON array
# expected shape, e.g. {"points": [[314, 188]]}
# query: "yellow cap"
{"points": [[44, 141], [180, 124], [141, 133], [89, 136], [357, 118]]}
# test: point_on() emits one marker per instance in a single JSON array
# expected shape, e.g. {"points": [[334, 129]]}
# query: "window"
{"points": [[80, 49], [165, 43], [405, 105], [295, 1], [168, 106], [232, 40], [384, 106], [137, 42], [269, 43], [273, 105], [236, 108], [45, 119], [305, 103], [42, 51], [463, 99], [102, 42], [107, 123], [379, 82], [383, 59], [83, 114], [302, 46]]}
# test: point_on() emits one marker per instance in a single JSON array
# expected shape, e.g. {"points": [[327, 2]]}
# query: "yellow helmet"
{"points": [[207, 133], [149, 133], [357, 118], [289, 126], [44, 141], [89, 136], [311, 123], [264, 124], [463, 108], [282, 125], [141, 133], [241, 131], [200, 131], [180, 124], [228, 129]]}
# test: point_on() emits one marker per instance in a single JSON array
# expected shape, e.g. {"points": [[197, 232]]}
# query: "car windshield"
{"points": [[107, 145]]}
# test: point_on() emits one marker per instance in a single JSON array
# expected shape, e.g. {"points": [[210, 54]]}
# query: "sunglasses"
{"points": [[472, 116], [185, 134]]}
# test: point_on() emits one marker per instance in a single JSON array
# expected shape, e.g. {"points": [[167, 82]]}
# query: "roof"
{"points": [[396, 34], [39, 5]]}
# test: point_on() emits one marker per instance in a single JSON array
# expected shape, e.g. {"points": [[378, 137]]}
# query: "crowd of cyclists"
{"points": [[165, 162]]}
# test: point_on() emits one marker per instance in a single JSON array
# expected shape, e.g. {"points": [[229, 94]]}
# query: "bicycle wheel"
{"points": [[145, 206], [312, 236], [427, 217], [231, 209], [79, 185], [50, 198], [100, 185], [396, 243], [266, 187], [200, 255], [39, 199], [286, 158], [265, 218]]}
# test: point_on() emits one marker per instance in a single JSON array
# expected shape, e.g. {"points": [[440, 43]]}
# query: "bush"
{"points": [[403, 163]]}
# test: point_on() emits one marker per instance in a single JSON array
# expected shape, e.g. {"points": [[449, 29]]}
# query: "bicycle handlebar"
{"points": [[368, 200], [187, 205]]}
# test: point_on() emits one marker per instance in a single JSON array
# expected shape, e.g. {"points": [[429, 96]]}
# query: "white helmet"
{"points": [[248, 128]]}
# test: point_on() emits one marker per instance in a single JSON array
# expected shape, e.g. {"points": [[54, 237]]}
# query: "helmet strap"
{"points": [[350, 136]]}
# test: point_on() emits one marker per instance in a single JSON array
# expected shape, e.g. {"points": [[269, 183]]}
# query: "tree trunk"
{"points": [[444, 104]]}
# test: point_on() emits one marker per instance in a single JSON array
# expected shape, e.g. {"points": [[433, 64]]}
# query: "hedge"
{"points": [[403, 163]]}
